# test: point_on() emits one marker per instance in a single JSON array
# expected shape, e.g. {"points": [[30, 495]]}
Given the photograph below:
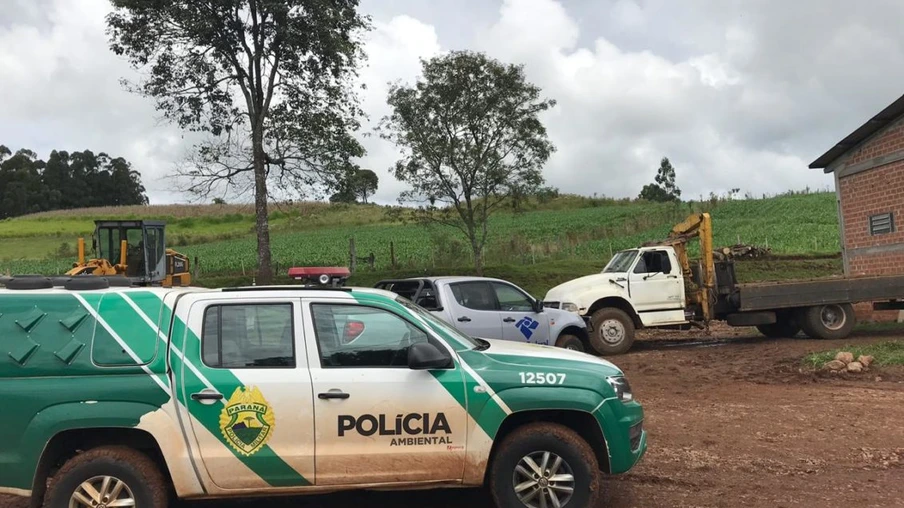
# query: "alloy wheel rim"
{"points": [[543, 479], [102, 492]]}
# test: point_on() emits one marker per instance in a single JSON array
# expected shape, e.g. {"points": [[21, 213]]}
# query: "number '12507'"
{"points": [[541, 378]]}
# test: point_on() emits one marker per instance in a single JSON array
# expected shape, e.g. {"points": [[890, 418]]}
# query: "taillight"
{"points": [[352, 330]]}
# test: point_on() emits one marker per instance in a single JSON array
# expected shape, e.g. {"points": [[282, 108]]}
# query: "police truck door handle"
{"points": [[465, 319], [509, 320], [207, 395], [333, 395]]}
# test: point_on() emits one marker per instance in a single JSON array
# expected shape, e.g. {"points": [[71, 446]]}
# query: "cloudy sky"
{"points": [[737, 93]]}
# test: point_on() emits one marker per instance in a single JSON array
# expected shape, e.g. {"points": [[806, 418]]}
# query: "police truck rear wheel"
{"points": [[107, 477], [613, 331], [568, 341], [544, 465]]}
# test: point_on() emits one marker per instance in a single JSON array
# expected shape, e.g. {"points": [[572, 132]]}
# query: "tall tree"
{"points": [[471, 136], [664, 188], [268, 80], [356, 184]]}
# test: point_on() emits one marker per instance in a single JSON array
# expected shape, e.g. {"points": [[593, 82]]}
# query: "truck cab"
{"points": [[638, 287]]}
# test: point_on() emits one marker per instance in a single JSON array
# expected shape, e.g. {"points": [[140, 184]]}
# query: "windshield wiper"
{"points": [[482, 345]]}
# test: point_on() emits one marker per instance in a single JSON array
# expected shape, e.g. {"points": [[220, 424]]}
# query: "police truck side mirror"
{"points": [[425, 356]]}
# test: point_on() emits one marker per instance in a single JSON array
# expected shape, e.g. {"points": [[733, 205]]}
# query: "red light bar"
{"points": [[303, 272]]}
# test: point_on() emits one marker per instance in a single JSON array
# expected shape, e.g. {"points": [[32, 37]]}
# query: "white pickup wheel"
{"points": [[613, 331], [568, 341]]}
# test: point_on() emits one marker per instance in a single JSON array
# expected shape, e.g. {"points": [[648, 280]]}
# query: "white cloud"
{"points": [[735, 94]]}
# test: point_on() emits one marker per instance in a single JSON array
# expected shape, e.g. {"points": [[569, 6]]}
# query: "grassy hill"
{"points": [[562, 237]]}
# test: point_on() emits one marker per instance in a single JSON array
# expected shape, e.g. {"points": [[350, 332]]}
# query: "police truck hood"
{"points": [[521, 353]]}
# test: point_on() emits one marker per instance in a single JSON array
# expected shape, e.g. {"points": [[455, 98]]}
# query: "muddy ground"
{"points": [[731, 425]]}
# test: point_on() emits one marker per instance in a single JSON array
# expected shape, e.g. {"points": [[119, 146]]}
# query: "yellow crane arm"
{"points": [[699, 225]]}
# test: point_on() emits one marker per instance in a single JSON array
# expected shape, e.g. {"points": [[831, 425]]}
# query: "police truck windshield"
{"points": [[439, 323]]}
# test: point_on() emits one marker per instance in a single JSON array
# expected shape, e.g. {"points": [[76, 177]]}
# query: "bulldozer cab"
{"points": [[145, 248]]}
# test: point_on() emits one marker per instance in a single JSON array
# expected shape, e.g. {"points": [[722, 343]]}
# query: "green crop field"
{"points": [[566, 228]]}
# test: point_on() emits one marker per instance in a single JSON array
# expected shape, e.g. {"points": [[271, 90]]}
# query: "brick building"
{"points": [[868, 166]]}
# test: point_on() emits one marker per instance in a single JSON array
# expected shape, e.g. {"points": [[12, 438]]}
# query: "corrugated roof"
{"points": [[873, 125]]}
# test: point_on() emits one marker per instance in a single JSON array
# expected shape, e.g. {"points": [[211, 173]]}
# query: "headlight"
{"points": [[570, 307], [622, 388]]}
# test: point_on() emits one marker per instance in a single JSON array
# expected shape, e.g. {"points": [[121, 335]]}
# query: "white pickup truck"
{"points": [[492, 309]]}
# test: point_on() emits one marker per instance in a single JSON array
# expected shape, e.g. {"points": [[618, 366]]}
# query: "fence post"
{"points": [[353, 255], [392, 254]]}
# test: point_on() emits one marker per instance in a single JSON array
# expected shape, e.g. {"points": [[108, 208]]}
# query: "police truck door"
{"points": [[241, 373], [379, 421]]}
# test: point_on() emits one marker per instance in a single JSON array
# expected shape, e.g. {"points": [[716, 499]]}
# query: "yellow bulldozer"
{"points": [[139, 251]]}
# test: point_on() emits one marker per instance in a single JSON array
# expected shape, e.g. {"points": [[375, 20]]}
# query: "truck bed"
{"points": [[802, 293]]}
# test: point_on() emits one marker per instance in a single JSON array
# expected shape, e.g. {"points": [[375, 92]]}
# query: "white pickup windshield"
{"points": [[621, 262]]}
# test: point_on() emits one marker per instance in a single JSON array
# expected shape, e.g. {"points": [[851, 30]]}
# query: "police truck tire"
{"points": [[828, 322], [613, 332], [568, 341], [526, 446], [142, 480]]}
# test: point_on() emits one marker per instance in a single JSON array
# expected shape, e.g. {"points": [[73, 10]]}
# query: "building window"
{"points": [[881, 224]]}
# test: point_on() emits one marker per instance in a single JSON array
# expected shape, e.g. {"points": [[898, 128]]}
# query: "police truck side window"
{"points": [[241, 336], [358, 336]]}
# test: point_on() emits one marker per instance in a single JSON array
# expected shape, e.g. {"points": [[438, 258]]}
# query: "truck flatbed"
{"points": [[805, 293]]}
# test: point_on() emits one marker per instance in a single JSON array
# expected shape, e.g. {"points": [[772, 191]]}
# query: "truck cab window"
{"points": [[356, 336], [248, 335], [656, 261]]}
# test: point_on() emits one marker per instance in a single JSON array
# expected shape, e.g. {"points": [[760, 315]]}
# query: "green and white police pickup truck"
{"points": [[125, 396]]}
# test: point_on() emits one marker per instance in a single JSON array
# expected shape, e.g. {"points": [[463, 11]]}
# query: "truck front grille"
{"points": [[635, 432]]}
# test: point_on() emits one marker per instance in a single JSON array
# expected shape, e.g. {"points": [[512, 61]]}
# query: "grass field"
{"points": [[564, 230]]}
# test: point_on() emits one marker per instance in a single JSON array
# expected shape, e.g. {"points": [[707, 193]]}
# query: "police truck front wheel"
{"points": [[544, 465], [108, 476]]}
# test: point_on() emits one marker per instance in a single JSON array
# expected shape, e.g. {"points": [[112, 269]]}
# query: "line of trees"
{"points": [[65, 181]]}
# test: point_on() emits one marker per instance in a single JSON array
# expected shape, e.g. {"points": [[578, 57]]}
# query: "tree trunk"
{"points": [[265, 271], [478, 258]]}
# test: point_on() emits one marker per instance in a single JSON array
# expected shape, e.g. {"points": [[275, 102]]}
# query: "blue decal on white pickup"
{"points": [[527, 326]]}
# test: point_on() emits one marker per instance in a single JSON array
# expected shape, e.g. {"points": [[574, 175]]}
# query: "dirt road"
{"points": [[734, 425]]}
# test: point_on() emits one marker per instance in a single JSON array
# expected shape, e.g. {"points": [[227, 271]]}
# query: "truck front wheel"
{"points": [[828, 322], [613, 331], [544, 465], [108, 476]]}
